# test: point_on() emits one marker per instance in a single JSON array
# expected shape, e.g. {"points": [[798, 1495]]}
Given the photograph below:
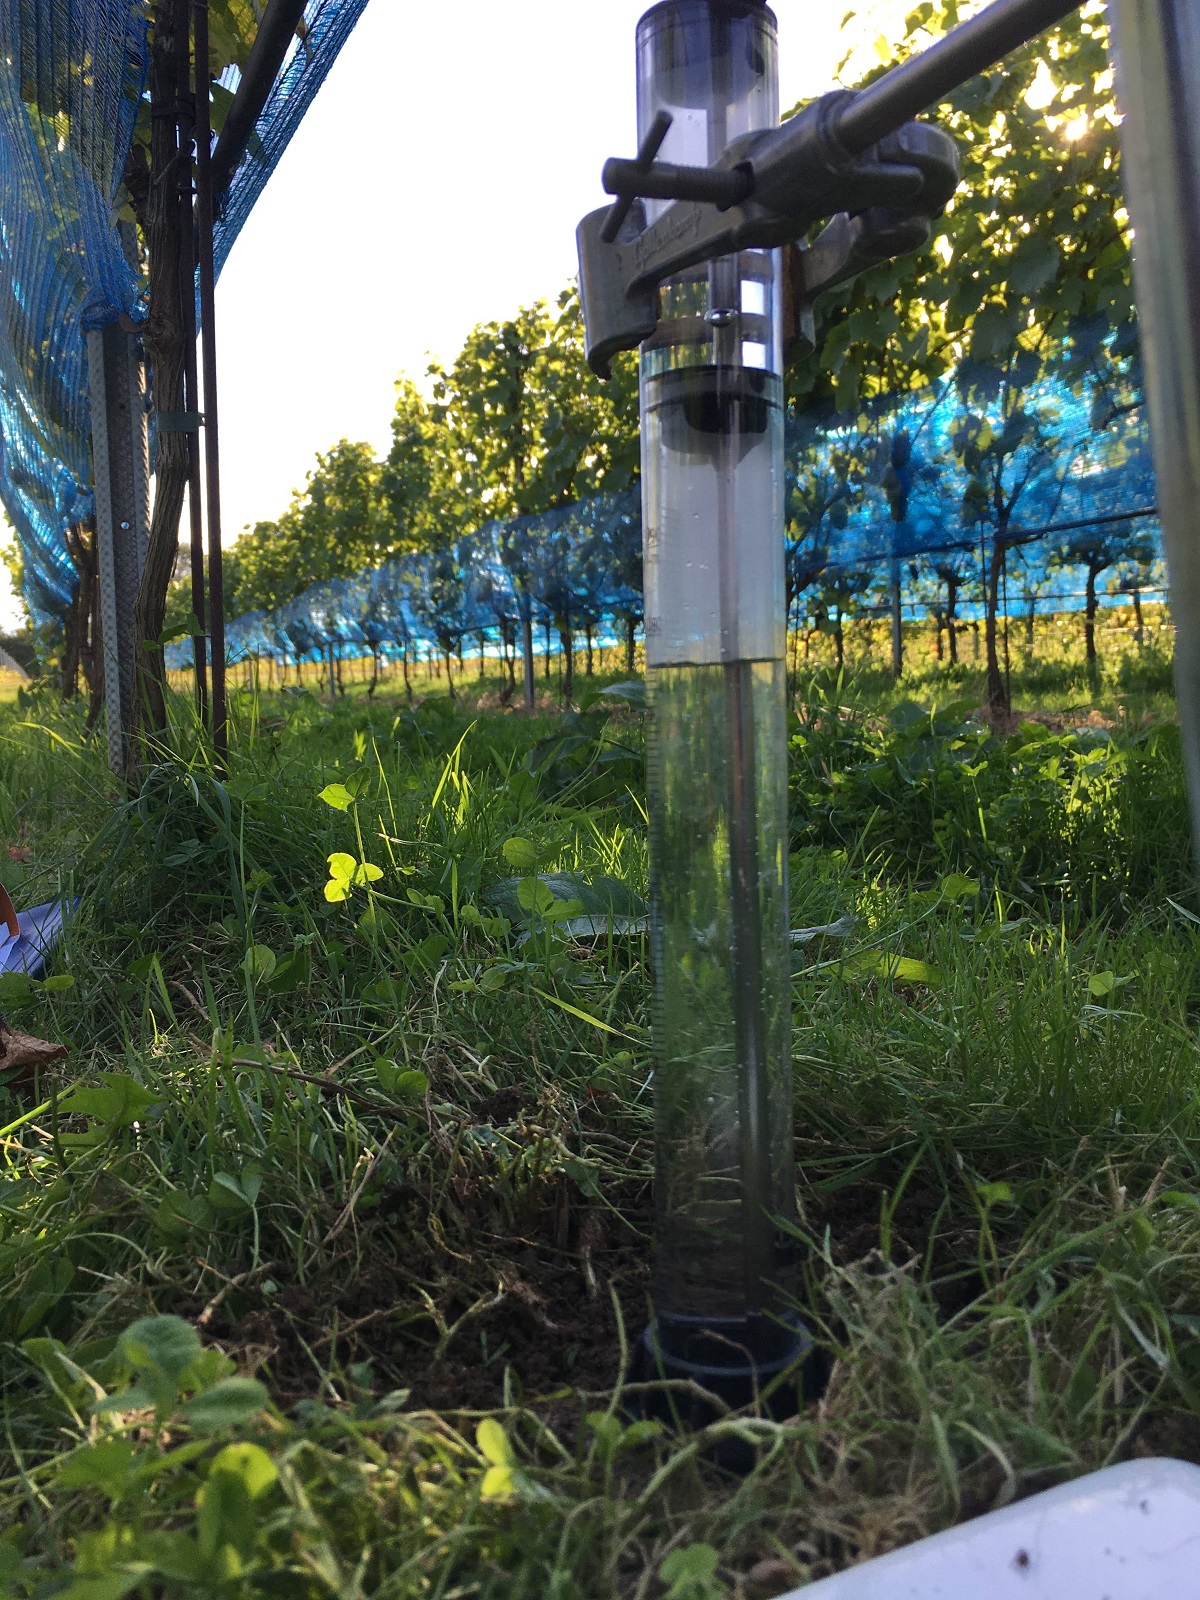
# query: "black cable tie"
{"points": [[179, 421]]}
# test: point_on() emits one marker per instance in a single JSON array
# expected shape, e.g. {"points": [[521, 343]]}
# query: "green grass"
{"points": [[392, 1159]]}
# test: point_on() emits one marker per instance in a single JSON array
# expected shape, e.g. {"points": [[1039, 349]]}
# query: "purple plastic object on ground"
{"points": [[41, 929]]}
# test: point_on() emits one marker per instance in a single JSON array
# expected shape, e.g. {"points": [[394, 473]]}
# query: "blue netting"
{"points": [[920, 486], [897, 481], [71, 75], [576, 567], [328, 24]]}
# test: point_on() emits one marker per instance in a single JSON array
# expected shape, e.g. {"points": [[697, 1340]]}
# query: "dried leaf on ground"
{"points": [[23, 1057]]}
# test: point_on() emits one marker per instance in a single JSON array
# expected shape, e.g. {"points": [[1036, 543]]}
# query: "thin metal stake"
{"points": [[1007, 663], [187, 289], [208, 346], [530, 664]]}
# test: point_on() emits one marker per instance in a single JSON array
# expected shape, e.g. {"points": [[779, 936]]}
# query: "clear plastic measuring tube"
{"points": [[712, 472]]}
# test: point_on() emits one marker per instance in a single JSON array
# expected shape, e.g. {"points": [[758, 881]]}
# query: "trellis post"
{"points": [[1157, 59], [121, 477]]}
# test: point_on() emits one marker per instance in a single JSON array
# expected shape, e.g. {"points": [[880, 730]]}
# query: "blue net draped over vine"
{"points": [[929, 483], [72, 73], [918, 489], [577, 567], [72, 80], [925, 473], [327, 26]]}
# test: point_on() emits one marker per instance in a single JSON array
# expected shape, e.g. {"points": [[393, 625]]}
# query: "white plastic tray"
{"points": [[1131, 1532]]}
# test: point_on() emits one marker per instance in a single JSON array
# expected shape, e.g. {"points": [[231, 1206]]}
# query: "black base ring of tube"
{"points": [[737, 1360]]}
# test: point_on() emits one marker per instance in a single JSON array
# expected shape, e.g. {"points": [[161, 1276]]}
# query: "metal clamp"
{"points": [[767, 190], [856, 158]]}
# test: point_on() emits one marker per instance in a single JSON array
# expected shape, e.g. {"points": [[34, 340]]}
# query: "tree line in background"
{"points": [[1027, 282], [518, 425]]}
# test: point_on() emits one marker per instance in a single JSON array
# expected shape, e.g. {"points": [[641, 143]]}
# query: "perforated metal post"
{"points": [[1158, 90], [120, 460]]}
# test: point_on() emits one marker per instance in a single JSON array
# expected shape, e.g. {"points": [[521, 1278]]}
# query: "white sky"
{"points": [[435, 184]]}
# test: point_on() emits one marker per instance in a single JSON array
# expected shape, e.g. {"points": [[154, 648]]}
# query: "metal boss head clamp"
{"points": [[766, 190], [853, 157]]}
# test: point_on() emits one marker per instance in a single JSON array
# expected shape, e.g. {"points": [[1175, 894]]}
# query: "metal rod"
{"points": [[667, 181], [650, 146], [105, 548], [1007, 663], [191, 384], [927, 79], [275, 34], [529, 665], [746, 962], [741, 757], [208, 345]]}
